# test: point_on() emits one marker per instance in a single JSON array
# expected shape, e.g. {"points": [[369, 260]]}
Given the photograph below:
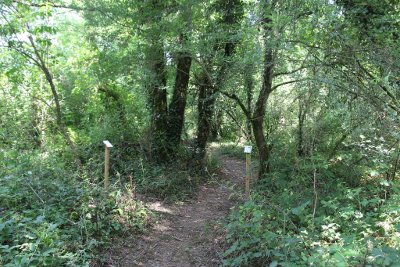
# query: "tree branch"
{"points": [[292, 71], [289, 82], [53, 5], [25, 54], [383, 87], [240, 103]]}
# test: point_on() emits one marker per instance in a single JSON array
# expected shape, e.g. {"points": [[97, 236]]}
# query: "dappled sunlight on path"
{"points": [[186, 234]]}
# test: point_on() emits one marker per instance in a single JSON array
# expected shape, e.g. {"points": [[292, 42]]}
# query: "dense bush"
{"points": [[351, 226], [176, 180], [50, 217]]}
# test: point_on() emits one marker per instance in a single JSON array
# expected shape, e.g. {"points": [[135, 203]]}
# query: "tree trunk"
{"points": [[216, 125], [176, 114], [158, 103], [205, 109], [249, 84], [300, 133], [260, 107], [263, 155], [232, 12], [59, 117]]}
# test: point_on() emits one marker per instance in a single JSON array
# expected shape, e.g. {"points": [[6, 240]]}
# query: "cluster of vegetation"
{"points": [[52, 217], [320, 214], [313, 84]]}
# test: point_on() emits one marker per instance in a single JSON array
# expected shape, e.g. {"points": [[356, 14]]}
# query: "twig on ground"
{"points": [[34, 191]]}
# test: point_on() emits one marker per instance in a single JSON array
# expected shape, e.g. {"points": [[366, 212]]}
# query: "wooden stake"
{"points": [[247, 150], [107, 164]]}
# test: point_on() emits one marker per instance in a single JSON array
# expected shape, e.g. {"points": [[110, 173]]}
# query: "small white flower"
{"points": [[358, 214]]}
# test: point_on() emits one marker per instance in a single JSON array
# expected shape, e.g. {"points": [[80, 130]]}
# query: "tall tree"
{"points": [[162, 41], [176, 110], [211, 81], [276, 31], [33, 41]]}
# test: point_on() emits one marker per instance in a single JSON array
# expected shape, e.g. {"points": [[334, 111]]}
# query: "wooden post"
{"points": [[247, 151], [107, 164]]}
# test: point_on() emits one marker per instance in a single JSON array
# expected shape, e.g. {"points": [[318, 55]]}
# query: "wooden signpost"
{"points": [[247, 151], [107, 164]]}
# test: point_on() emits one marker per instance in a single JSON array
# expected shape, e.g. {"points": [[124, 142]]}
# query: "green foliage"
{"points": [[52, 218], [175, 181], [228, 149], [330, 118], [168, 182], [350, 226]]}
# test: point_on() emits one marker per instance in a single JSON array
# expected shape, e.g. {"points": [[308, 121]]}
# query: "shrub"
{"points": [[352, 226], [50, 217]]}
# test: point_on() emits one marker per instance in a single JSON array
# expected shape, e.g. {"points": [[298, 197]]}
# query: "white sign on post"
{"points": [[107, 163], [107, 143], [247, 149]]}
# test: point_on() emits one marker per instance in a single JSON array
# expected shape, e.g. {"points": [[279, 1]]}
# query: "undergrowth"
{"points": [[52, 217], [229, 149], [288, 223], [174, 180]]}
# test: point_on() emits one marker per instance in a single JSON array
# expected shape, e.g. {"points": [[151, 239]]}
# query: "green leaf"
{"points": [[39, 219], [232, 248], [30, 236], [299, 209]]}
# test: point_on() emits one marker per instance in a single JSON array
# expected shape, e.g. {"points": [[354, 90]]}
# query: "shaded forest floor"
{"points": [[188, 233]]}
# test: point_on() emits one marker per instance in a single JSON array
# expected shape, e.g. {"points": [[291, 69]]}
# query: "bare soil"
{"points": [[186, 234]]}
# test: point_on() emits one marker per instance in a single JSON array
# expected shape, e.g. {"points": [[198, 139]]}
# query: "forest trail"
{"points": [[186, 234]]}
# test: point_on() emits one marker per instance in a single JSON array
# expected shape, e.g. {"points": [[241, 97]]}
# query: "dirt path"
{"points": [[188, 234]]}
